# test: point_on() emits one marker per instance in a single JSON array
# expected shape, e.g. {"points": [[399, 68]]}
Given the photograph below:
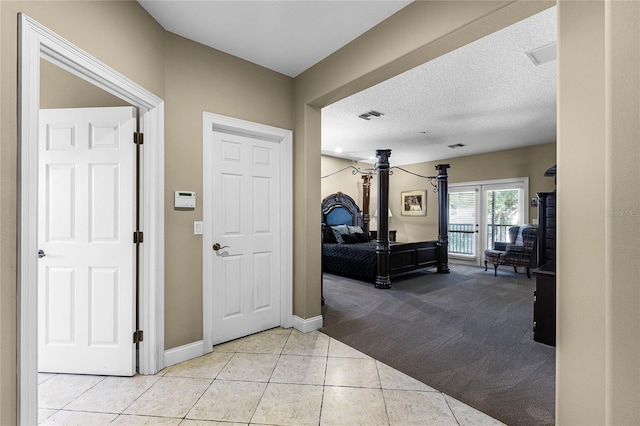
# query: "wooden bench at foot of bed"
{"points": [[407, 257]]}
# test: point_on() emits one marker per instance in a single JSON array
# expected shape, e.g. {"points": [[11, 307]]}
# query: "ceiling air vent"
{"points": [[456, 145], [542, 55], [368, 115]]}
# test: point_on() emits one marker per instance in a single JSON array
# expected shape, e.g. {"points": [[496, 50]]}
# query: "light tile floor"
{"points": [[277, 377]]}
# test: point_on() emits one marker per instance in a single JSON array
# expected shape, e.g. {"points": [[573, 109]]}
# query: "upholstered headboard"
{"points": [[340, 209]]}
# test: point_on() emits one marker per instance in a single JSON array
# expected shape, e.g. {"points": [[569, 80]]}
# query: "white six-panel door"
{"points": [[245, 222], [86, 211]]}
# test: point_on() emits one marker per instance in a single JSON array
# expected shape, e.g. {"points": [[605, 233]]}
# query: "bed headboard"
{"points": [[340, 209]]}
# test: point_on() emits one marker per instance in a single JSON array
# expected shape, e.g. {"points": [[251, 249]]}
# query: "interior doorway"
{"points": [[36, 43], [79, 118], [247, 237]]}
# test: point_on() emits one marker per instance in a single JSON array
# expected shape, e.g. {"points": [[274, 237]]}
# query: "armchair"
{"points": [[519, 251]]}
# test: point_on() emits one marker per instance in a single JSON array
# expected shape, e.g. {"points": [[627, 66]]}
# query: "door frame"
{"points": [[482, 185], [35, 42], [497, 186], [478, 234], [215, 122]]}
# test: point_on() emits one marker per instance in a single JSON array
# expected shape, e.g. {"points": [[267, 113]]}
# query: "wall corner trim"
{"points": [[183, 353], [307, 325]]}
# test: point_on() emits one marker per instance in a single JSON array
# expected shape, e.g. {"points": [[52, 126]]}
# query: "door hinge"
{"points": [[137, 237], [138, 138], [137, 336]]}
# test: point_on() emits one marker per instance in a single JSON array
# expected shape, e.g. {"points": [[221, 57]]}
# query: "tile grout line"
{"points": [[85, 391], [324, 381], [269, 380], [384, 400], [205, 391], [140, 396], [450, 409]]}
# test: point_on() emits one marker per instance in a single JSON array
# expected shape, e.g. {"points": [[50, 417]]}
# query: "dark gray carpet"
{"points": [[467, 334]]}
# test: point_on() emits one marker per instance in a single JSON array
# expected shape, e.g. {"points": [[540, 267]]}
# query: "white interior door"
{"points": [[244, 220], [86, 212]]}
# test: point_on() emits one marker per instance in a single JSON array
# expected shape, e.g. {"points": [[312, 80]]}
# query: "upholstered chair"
{"points": [[520, 250]]}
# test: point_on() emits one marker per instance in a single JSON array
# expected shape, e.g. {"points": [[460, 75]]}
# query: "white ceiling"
{"points": [[487, 95], [285, 36]]}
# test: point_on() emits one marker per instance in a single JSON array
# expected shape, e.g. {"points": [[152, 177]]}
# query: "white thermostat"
{"points": [[185, 200]]}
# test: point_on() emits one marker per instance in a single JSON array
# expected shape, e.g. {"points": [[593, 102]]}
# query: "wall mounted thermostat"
{"points": [[185, 200]]}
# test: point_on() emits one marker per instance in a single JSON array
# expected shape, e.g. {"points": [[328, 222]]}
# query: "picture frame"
{"points": [[413, 203]]}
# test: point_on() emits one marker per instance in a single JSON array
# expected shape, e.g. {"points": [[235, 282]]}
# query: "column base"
{"points": [[443, 269], [383, 282]]}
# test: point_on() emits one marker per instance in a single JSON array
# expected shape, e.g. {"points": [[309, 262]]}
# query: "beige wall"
{"points": [[61, 89], [529, 162], [598, 343], [622, 214], [344, 181], [202, 79]]}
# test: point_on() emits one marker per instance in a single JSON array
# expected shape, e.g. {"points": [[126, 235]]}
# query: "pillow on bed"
{"points": [[355, 229], [350, 238], [362, 237], [339, 231], [327, 235]]}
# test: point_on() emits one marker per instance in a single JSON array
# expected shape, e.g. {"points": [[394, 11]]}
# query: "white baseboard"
{"points": [[183, 353], [196, 349], [307, 325]]}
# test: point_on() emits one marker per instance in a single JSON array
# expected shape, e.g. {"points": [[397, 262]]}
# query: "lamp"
{"points": [[376, 213], [392, 233]]}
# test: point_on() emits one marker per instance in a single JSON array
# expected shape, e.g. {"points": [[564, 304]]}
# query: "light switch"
{"points": [[197, 227]]}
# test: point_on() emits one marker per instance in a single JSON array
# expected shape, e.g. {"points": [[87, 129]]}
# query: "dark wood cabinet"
{"points": [[544, 297], [546, 227], [544, 304]]}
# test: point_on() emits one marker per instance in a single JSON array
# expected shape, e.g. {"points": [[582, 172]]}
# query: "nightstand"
{"points": [[392, 235]]}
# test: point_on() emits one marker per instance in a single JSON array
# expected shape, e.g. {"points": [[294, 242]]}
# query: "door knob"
{"points": [[217, 247], [41, 254]]}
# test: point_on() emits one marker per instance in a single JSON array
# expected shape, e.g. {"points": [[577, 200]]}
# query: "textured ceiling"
{"points": [[285, 36], [487, 95]]}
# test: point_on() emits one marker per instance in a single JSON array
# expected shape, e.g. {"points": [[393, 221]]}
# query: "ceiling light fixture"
{"points": [[368, 115], [338, 150], [542, 55]]}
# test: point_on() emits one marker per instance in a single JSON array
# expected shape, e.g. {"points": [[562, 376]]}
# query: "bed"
{"points": [[357, 256]]}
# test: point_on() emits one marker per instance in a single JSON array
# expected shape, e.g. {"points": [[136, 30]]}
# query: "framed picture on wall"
{"points": [[413, 203]]}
